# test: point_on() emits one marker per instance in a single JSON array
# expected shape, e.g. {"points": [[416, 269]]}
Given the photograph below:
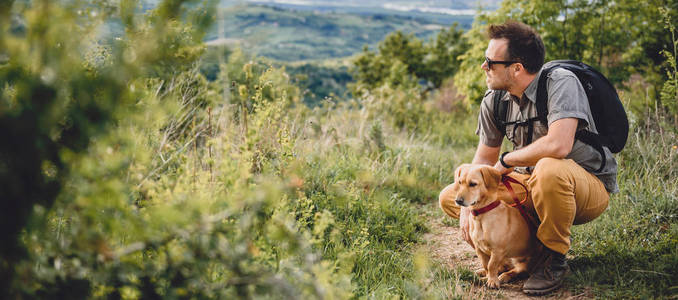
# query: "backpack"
{"points": [[606, 108]]}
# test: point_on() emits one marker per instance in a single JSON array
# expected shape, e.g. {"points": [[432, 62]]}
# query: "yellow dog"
{"points": [[498, 231]]}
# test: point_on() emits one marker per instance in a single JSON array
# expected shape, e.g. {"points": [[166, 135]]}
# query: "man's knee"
{"points": [[447, 203], [548, 167], [550, 178]]}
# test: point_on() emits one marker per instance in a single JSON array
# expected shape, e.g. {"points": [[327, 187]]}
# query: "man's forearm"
{"points": [[486, 155], [557, 144], [532, 153]]}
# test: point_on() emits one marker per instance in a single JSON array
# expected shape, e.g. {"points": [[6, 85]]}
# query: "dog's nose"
{"points": [[460, 201]]}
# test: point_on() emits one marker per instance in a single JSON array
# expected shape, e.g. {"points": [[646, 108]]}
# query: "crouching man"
{"points": [[561, 173]]}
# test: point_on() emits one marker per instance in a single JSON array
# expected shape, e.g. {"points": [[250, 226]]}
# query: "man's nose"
{"points": [[484, 66]]}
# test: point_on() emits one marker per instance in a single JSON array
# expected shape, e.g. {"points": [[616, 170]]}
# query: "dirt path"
{"points": [[448, 248]]}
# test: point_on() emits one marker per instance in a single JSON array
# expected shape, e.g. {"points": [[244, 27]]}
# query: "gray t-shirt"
{"points": [[566, 99]]}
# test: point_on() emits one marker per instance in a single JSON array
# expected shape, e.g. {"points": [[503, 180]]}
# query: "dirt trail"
{"points": [[448, 248]]}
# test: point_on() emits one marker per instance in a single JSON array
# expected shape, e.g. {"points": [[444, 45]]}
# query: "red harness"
{"points": [[531, 222], [485, 209]]}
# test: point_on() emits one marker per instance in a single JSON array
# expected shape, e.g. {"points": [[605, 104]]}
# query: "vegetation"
{"points": [[431, 62], [320, 82], [129, 169]]}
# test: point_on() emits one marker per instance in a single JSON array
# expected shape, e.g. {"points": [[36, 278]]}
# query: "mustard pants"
{"points": [[560, 193]]}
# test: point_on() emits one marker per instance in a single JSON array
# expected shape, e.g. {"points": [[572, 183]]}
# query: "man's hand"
{"points": [[501, 168], [464, 225]]}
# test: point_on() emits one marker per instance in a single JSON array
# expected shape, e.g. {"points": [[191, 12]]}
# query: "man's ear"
{"points": [[460, 171], [491, 177]]}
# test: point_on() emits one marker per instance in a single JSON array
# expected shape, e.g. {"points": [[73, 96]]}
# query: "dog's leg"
{"points": [[484, 258], [507, 265], [520, 266], [493, 266]]}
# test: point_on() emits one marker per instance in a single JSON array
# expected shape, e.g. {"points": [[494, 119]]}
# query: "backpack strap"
{"points": [[542, 96], [500, 109], [585, 136], [500, 116]]}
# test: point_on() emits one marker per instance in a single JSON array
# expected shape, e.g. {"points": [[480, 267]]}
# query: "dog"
{"points": [[499, 232]]}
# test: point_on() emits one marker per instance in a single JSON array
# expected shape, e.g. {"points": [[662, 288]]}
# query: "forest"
{"points": [[150, 166]]}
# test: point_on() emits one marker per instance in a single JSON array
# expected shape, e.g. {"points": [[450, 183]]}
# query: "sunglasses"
{"points": [[500, 62]]}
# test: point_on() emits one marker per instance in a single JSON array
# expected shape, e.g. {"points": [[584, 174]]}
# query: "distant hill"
{"points": [[451, 4], [298, 32]]}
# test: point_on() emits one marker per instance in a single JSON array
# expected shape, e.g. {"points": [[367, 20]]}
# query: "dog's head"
{"points": [[475, 185]]}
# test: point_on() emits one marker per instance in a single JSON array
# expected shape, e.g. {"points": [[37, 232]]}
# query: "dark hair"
{"points": [[524, 44]]}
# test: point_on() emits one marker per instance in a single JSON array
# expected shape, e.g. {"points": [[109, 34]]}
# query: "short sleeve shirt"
{"points": [[566, 99]]}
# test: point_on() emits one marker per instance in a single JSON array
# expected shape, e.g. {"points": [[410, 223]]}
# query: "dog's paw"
{"points": [[481, 272], [493, 283], [505, 277]]}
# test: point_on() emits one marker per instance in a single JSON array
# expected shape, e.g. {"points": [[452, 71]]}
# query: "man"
{"points": [[558, 170]]}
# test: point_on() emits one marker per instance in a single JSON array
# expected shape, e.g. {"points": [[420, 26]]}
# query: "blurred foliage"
{"points": [[106, 131]]}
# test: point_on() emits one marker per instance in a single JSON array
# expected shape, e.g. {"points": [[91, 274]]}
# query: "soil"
{"points": [[448, 248]]}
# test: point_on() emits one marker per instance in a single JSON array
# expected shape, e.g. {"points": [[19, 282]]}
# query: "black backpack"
{"points": [[606, 108]]}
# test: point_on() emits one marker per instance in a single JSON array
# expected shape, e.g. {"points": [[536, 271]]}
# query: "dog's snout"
{"points": [[460, 201]]}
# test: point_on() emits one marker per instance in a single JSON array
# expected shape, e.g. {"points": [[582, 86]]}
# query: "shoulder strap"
{"points": [[542, 96], [500, 108]]}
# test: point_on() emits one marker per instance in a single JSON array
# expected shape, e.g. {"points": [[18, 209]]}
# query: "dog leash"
{"points": [[506, 180]]}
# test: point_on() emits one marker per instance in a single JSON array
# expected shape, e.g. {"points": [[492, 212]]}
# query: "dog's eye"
{"points": [[472, 184]]}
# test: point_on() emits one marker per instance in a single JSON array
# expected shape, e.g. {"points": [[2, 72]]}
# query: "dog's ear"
{"points": [[460, 171], [491, 176]]}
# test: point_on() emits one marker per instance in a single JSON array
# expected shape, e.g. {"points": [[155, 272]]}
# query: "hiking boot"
{"points": [[548, 274]]}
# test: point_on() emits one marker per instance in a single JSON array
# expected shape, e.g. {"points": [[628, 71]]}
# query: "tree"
{"points": [[429, 62]]}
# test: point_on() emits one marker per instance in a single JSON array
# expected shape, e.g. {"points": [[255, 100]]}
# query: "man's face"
{"points": [[499, 77]]}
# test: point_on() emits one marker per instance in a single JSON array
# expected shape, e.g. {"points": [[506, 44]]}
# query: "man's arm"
{"points": [[557, 143], [486, 155]]}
